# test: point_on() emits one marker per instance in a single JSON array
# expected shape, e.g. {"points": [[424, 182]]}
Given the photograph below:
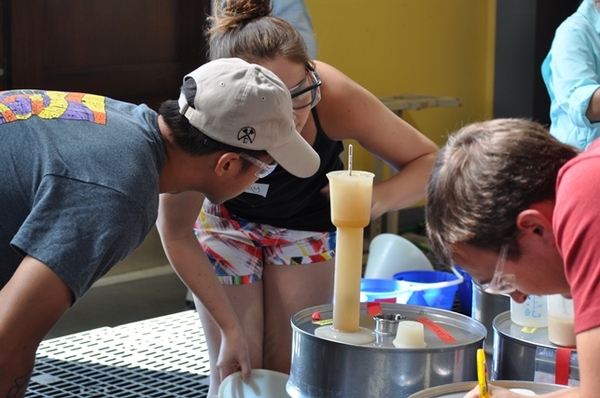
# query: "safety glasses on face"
{"points": [[501, 283], [265, 169], [308, 92]]}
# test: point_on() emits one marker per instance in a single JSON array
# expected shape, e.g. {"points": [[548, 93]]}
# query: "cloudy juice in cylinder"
{"points": [[350, 198], [350, 213], [346, 287]]}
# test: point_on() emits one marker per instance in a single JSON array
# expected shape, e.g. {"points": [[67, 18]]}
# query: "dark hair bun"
{"points": [[236, 12]]}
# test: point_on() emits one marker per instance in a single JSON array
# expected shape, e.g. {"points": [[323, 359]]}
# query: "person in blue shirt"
{"points": [[80, 181], [296, 13], [571, 72]]}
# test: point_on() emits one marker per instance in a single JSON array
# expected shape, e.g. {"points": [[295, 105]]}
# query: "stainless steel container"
{"points": [[458, 390], [519, 352], [323, 368], [386, 328], [484, 308]]}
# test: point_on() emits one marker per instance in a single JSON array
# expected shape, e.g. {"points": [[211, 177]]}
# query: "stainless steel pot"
{"points": [[484, 308], [519, 352], [458, 390], [323, 368]]}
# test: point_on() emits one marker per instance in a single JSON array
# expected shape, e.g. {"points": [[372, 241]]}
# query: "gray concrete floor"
{"points": [[121, 303]]}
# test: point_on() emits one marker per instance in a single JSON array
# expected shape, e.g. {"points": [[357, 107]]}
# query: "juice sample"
{"points": [[346, 287], [350, 198], [561, 331]]}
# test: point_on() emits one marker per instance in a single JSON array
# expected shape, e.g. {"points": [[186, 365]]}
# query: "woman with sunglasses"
{"points": [[273, 246]]}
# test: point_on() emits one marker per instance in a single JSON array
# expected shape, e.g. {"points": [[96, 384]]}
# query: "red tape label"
{"points": [[373, 308], [563, 366], [439, 331]]}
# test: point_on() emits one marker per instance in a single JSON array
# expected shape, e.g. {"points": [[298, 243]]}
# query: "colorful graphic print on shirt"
{"points": [[22, 104]]}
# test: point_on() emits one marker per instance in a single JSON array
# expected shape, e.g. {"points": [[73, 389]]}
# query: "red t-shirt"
{"points": [[576, 223]]}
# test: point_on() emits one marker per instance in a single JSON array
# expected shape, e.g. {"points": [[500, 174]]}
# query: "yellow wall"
{"points": [[432, 47]]}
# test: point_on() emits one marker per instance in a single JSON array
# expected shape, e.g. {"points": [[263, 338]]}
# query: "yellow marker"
{"points": [[482, 374]]}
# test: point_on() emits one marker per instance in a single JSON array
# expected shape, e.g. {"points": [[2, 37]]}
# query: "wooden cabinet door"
{"points": [[132, 50]]}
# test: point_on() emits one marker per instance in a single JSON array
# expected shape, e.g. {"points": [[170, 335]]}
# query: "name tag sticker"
{"points": [[258, 189]]}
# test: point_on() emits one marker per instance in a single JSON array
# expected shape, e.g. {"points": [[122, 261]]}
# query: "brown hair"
{"points": [[485, 175], [246, 29]]}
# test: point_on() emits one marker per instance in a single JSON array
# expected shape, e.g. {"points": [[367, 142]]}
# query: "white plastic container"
{"points": [[531, 313], [263, 384], [458, 390], [560, 321], [410, 334], [390, 254]]}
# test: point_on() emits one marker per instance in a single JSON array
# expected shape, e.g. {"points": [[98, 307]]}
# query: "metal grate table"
{"points": [[161, 357]]}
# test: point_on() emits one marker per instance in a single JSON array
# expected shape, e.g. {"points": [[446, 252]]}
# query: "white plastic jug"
{"points": [[390, 254], [531, 313]]}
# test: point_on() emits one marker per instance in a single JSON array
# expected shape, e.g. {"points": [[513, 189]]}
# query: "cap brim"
{"points": [[297, 157]]}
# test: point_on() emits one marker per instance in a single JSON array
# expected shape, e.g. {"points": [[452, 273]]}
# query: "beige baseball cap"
{"points": [[247, 106]]}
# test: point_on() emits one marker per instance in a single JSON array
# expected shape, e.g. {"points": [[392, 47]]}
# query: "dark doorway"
{"points": [[133, 50], [524, 32]]}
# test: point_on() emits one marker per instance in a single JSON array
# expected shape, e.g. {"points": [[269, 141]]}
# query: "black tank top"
{"points": [[285, 201]]}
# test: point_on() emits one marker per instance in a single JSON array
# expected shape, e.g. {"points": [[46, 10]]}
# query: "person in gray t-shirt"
{"points": [[80, 178]]}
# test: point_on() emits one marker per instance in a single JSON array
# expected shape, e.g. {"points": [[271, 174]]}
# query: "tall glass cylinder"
{"points": [[350, 212]]}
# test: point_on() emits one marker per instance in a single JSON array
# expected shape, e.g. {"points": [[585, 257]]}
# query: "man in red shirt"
{"points": [[520, 212]]}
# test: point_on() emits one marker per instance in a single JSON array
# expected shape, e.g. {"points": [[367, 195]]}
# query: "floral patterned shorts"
{"points": [[238, 249]]}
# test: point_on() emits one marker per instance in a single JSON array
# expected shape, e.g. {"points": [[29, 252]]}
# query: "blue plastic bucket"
{"points": [[465, 292], [383, 290], [429, 288]]}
